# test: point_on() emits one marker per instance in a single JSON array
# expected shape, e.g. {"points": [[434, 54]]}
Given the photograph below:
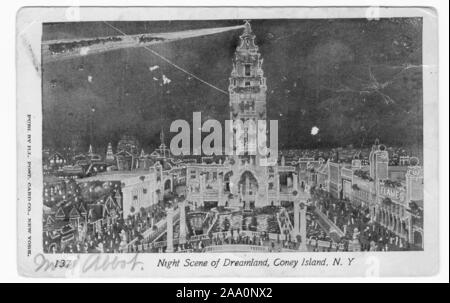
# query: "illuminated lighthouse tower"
{"points": [[249, 181], [247, 91]]}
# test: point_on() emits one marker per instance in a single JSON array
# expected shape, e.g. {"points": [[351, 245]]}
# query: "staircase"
{"points": [[214, 221], [151, 234], [283, 217], [331, 227]]}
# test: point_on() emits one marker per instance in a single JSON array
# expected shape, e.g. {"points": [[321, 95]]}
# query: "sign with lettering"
{"points": [[392, 193]]}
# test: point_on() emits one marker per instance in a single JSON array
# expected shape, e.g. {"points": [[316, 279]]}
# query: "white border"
{"points": [[444, 246]]}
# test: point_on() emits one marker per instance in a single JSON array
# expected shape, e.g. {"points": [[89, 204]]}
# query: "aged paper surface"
{"points": [[227, 141]]}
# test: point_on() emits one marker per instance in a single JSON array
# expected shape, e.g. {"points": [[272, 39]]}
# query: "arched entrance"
{"points": [[167, 185], [404, 229], [53, 248], [418, 239], [226, 181], [248, 189]]}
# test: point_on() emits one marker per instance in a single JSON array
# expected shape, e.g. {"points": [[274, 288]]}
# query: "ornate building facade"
{"points": [[241, 181]]}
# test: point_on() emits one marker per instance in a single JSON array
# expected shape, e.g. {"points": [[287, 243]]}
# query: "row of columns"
{"points": [[393, 223]]}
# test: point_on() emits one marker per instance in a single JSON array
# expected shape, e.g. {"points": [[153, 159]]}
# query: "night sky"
{"points": [[353, 79]]}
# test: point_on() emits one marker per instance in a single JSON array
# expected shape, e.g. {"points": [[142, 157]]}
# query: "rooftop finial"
{"points": [[161, 136], [248, 27]]}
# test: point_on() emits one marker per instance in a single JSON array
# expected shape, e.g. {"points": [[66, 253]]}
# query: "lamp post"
{"points": [[91, 123], [169, 229], [300, 219]]}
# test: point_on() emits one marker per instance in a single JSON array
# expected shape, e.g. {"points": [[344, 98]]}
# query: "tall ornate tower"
{"points": [[109, 153], [247, 84], [379, 161]]}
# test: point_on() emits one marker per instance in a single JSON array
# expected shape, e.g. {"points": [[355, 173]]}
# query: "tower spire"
{"points": [[161, 136], [247, 88], [247, 28], [247, 43], [109, 153]]}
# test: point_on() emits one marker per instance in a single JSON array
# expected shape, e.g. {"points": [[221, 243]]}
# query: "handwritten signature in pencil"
{"points": [[93, 263]]}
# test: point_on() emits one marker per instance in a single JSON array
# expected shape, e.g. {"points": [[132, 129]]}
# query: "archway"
{"points": [[285, 181], [167, 185], [248, 185], [52, 247], [248, 188], [403, 228], [226, 181], [418, 239]]}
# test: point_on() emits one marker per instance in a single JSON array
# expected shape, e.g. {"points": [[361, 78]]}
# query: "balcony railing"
{"points": [[236, 248]]}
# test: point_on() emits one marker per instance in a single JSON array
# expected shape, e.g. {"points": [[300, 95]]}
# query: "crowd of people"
{"points": [[314, 230], [115, 234], [108, 236], [356, 224]]}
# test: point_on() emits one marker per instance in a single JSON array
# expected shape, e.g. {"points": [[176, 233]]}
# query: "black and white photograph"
{"points": [[227, 142], [347, 95]]}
